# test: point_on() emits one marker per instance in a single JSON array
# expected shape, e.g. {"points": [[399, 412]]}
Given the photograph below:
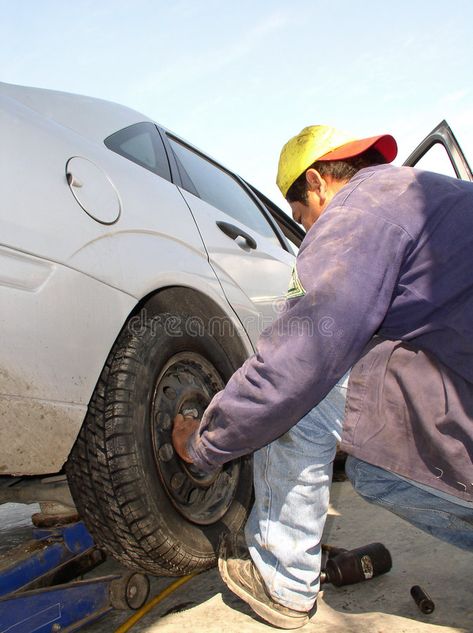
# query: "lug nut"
{"points": [[193, 413], [163, 420], [193, 496], [166, 452], [170, 393], [177, 480]]}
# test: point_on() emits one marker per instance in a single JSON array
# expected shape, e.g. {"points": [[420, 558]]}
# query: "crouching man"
{"points": [[384, 277]]}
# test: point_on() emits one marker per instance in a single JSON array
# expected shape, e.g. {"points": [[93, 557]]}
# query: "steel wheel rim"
{"points": [[187, 383]]}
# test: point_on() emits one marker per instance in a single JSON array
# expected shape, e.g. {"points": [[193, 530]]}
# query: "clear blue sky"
{"points": [[237, 79]]}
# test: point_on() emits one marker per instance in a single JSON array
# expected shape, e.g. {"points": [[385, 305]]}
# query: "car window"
{"points": [[293, 232], [220, 189], [142, 144], [437, 159], [440, 151], [292, 246]]}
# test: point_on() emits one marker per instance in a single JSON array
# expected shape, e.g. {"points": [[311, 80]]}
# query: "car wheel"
{"points": [[142, 503]]}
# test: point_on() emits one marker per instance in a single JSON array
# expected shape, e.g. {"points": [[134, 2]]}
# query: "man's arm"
{"points": [[348, 265]]}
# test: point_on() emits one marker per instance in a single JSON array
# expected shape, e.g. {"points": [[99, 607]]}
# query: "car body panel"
{"points": [[73, 272], [53, 348], [49, 367], [58, 227], [254, 280], [88, 116]]}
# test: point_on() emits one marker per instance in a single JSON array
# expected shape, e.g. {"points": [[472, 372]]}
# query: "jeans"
{"points": [[292, 478], [435, 514]]}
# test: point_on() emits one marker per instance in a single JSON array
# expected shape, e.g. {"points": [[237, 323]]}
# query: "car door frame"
{"points": [[444, 135], [293, 232]]}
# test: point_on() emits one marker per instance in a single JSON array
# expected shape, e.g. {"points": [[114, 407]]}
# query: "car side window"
{"points": [[440, 151], [220, 189], [294, 233], [142, 144]]}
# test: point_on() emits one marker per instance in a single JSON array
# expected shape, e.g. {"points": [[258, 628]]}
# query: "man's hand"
{"points": [[183, 428]]}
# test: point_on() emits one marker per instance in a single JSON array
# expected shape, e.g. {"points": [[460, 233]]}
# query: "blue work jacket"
{"points": [[384, 276]]}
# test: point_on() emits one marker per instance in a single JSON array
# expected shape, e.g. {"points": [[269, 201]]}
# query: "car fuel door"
{"points": [[441, 152]]}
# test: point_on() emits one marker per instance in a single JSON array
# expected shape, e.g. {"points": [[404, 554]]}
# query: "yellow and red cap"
{"points": [[322, 142]]}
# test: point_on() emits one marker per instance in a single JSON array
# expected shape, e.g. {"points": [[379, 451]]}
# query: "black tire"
{"points": [[141, 503]]}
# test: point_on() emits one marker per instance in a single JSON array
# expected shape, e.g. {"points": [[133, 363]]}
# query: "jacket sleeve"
{"points": [[347, 270]]}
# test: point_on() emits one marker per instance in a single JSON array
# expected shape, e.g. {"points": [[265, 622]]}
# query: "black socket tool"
{"points": [[422, 599], [347, 567]]}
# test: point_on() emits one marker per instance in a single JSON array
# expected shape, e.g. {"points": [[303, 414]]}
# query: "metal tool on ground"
{"points": [[38, 591], [37, 588], [347, 567], [422, 599], [340, 567], [146, 608]]}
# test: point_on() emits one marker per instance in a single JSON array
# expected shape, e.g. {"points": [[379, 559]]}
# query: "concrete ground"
{"points": [[382, 605]]}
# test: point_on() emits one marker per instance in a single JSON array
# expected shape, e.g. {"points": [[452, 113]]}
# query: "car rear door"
{"points": [[441, 152], [246, 249]]}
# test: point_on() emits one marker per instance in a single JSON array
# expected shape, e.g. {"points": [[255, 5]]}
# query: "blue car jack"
{"points": [[38, 591]]}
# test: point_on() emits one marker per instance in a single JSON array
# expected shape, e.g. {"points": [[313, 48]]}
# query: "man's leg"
{"points": [[440, 517], [292, 477]]}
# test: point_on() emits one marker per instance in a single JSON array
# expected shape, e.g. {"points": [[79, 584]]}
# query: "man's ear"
{"points": [[316, 183]]}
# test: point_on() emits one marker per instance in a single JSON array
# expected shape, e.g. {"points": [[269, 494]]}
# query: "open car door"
{"points": [[440, 152]]}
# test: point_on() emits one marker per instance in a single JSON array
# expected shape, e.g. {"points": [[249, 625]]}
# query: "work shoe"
{"points": [[241, 576]]}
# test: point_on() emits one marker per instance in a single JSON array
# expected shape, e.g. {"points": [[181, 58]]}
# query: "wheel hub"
{"points": [[186, 385]]}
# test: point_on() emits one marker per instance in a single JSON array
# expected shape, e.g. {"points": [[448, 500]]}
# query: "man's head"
{"points": [[318, 162]]}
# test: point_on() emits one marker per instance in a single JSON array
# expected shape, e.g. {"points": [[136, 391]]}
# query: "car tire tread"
{"points": [[104, 482]]}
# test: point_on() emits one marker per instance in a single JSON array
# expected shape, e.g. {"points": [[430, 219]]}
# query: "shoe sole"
{"points": [[268, 614]]}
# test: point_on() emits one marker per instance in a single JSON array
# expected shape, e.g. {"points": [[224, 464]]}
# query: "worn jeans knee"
{"points": [[452, 522]]}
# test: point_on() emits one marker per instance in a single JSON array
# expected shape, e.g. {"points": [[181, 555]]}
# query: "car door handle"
{"points": [[234, 231]]}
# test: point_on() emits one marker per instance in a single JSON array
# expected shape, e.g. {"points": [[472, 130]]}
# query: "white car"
{"points": [[136, 274]]}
